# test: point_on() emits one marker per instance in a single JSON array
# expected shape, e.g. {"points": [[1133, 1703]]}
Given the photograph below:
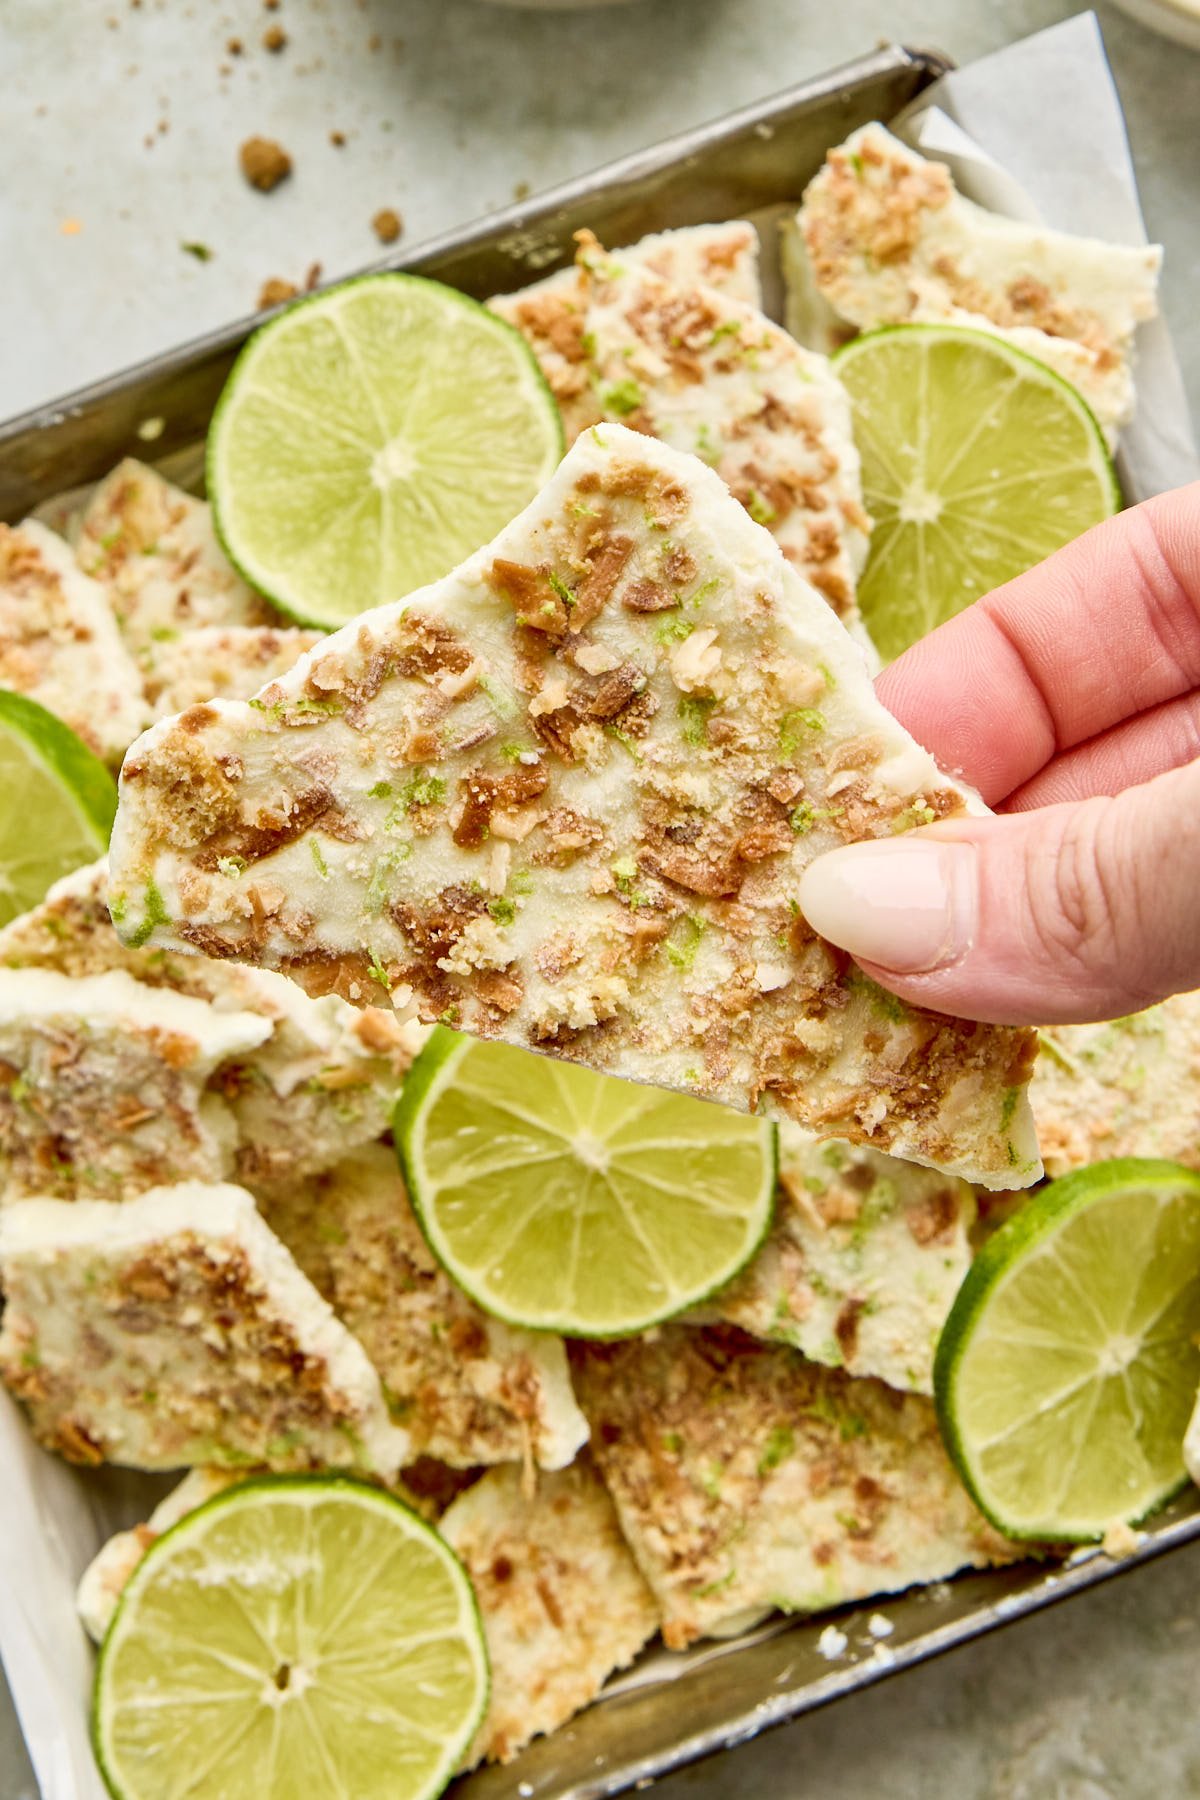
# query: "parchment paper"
{"points": [[1047, 111]]}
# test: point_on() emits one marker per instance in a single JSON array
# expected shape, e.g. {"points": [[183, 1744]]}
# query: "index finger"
{"points": [[1100, 631]]}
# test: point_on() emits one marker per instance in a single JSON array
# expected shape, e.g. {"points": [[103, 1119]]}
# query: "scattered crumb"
{"points": [[1121, 1540], [387, 225], [337, 139], [274, 291], [264, 163], [374, 43], [113, 24], [152, 429], [883, 1656], [164, 125], [880, 1626], [521, 191], [235, 46], [831, 1643], [312, 277], [71, 227], [274, 38], [271, 5], [201, 252]]}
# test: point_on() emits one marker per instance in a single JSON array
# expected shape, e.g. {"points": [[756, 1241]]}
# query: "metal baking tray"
{"points": [[668, 1710]]}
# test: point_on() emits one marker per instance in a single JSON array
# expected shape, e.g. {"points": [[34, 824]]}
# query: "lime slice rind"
{"points": [[978, 461], [58, 807], [371, 1734], [1067, 1370], [572, 1222], [369, 438]]}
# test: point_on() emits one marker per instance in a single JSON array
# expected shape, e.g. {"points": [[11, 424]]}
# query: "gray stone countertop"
{"points": [[118, 141]]}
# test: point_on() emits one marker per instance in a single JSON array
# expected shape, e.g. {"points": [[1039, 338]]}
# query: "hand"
{"points": [[1071, 699]]}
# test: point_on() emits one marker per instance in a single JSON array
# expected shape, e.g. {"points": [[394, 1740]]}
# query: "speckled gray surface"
{"points": [[118, 139]]}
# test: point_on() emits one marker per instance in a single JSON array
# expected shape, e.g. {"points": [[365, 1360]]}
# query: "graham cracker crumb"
{"points": [[264, 163], [337, 139], [235, 46], [387, 225], [274, 291], [274, 38]]}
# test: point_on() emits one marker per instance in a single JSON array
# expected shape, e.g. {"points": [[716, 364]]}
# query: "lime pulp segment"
{"points": [[370, 438], [57, 803], [1067, 1370], [977, 462], [291, 1637], [566, 1200]]}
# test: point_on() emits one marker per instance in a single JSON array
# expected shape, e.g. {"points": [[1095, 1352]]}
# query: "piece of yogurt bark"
{"points": [[862, 1263], [562, 1601], [322, 1080], [175, 1330], [226, 661], [747, 1478], [715, 377], [565, 797], [549, 313], [59, 642], [723, 257], [1127, 1088], [468, 1389], [104, 1085], [890, 241], [153, 547]]}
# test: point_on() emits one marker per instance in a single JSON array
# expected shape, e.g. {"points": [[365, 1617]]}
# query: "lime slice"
{"points": [[292, 1637], [370, 438], [57, 802], [977, 462], [1066, 1372], [569, 1201]]}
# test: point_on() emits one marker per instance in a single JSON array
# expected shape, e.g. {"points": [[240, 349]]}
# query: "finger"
{"points": [[1060, 915], [1102, 630], [1167, 737]]}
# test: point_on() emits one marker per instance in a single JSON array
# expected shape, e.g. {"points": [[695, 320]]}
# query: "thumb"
{"points": [[1059, 915]]}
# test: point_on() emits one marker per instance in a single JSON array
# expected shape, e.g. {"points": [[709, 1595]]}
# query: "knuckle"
{"points": [[1091, 915]]}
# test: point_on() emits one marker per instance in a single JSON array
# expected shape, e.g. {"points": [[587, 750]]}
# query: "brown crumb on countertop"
{"points": [[521, 191], [337, 139], [312, 276], [387, 225], [264, 163], [274, 38], [235, 46], [274, 291]]}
